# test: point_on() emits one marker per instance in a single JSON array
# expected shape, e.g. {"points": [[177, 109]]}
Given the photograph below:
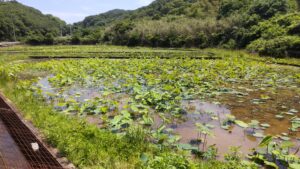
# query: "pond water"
{"points": [[244, 103], [223, 139]]}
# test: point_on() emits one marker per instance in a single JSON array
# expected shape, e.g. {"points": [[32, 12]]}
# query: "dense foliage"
{"points": [[196, 23], [279, 36], [269, 27], [19, 22]]}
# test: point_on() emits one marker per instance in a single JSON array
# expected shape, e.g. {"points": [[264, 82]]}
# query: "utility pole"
{"points": [[14, 30], [61, 31]]}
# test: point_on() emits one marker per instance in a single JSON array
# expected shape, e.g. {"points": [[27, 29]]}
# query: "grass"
{"points": [[85, 145], [254, 57]]}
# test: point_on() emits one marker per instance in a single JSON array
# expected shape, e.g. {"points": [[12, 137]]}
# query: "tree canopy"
{"points": [[18, 21], [258, 25]]}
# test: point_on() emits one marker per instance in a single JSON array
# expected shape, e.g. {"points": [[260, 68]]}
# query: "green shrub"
{"points": [[168, 160], [278, 47], [228, 7], [268, 8], [75, 40], [62, 40], [34, 39]]}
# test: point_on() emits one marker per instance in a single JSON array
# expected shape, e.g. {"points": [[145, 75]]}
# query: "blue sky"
{"points": [[76, 10]]}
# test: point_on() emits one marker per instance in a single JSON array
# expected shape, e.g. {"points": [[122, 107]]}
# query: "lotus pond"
{"points": [[205, 108]]}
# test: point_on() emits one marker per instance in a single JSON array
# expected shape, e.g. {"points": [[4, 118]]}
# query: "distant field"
{"points": [[103, 51]]}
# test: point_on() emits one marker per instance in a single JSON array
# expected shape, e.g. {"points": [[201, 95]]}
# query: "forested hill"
{"points": [[103, 19], [270, 27], [21, 22], [156, 10]]}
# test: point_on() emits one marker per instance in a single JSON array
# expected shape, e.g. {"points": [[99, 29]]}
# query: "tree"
{"points": [[268, 8]]}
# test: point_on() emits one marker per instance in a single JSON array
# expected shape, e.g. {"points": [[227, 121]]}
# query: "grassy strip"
{"points": [[254, 57]]}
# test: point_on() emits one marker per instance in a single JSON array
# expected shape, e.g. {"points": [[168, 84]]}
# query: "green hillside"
{"points": [[18, 22], [200, 23], [270, 27], [103, 19], [156, 10]]}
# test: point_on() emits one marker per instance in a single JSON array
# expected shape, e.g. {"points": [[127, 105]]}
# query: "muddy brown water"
{"points": [[244, 103], [280, 102], [223, 139]]}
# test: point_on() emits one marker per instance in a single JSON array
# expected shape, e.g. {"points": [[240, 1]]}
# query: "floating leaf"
{"points": [[279, 116], [257, 101], [187, 147], [265, 97], [254, 124], [231, 117], [210, 126], [214, 118], [225, 127], [293, 111], [259, 135], [289, 113], [266, 125], [241, 123], [284, 107], [285, 138]]}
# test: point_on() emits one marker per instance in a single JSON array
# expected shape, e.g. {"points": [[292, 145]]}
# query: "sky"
{"points": [[76, 10]]}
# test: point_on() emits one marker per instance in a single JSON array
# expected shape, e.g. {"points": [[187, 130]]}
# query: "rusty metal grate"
{"points": [[10, 154], [23, 137], [3, 104]]}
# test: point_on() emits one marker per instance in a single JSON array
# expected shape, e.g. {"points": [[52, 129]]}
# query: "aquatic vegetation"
{"points": [[164, 98], [203, 132], [276, 154]]}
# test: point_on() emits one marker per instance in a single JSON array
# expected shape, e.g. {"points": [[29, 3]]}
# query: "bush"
{"points": [[278, 47], [88, 40], [231, 44], [39, 39], [62, 40], [168, 160], [75, 40], [34, 39], [230, 6], [48, 39], [268, 8]]}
